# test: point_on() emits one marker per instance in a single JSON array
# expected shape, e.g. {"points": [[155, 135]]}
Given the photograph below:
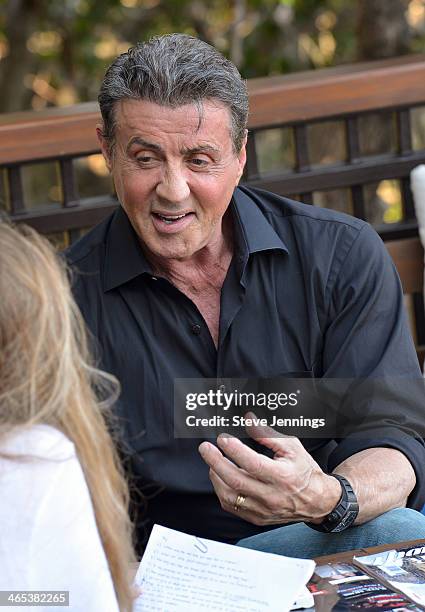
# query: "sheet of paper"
{"points": [[304, 600], [182, 573]]}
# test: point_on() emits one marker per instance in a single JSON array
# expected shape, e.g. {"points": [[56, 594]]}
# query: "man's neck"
{"points": [[202, 276], [205, 269]]}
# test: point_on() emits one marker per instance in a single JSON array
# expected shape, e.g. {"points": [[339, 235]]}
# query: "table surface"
{"points": [[347, 557], [325, 601]]}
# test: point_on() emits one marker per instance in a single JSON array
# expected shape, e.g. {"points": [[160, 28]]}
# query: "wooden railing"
{"points": [[332, 103], [295, 102]]}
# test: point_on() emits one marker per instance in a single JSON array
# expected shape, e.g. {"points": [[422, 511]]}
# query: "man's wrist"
{"points": [[343, 514], [329, 498]]}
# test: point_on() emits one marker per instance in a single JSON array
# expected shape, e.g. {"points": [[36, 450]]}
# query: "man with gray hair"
{"points": [[196, 277]]}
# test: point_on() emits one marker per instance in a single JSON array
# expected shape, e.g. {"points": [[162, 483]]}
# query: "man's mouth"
{"points": [[170, 219], [171, 224]]}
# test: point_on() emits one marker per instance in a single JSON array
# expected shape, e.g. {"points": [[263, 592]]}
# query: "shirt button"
{"points": [[222, 388], [196, 329]]}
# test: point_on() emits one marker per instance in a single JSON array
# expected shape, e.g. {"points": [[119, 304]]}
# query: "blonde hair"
{"points": [[47, 376]]}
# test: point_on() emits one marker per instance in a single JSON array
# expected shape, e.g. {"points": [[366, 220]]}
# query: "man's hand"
{"points": [[289, 487]]}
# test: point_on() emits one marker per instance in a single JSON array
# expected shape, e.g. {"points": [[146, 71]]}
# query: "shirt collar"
{"points": [[124, 258], [256, 232]]}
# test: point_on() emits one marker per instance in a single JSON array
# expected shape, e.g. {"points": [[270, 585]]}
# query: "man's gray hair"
{"points": [[174, 70]]}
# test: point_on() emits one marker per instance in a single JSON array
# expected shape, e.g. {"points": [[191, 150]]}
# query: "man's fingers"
{"points": [[209, 452], [261, 431], [276, 441], [225, 494], [235, 478], [250, 510], [260, 467]]}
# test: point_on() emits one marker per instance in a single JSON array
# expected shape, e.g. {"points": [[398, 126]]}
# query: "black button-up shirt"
{"points": [[309, 291]]}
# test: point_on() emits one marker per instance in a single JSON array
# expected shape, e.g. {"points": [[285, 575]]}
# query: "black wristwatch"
{"points": [[345, 512]]}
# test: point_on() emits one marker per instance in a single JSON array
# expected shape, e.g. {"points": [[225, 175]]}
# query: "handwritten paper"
{"points": [[182, 573]]}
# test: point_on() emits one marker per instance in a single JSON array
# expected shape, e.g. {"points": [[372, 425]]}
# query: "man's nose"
{"points": [[173, 186]]}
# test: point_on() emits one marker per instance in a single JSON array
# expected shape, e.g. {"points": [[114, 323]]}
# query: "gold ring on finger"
{"points": [[240, 500]]}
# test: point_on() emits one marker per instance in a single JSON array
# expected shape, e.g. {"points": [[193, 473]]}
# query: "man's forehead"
{"points": [[203, 121]]}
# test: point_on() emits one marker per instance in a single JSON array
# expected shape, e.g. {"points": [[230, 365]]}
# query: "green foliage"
{"points": [[67, 45]]}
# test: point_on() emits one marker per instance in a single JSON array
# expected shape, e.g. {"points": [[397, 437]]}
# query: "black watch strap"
{"points": [[345, 512]]}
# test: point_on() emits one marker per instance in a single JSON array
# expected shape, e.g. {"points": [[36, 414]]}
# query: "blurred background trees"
{"points": [[55, 52]]}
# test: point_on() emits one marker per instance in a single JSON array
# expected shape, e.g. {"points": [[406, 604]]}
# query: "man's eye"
{"points": [[145, 159], [199, 162]]}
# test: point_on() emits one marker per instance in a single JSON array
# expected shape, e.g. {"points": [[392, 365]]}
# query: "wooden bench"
{"points": [[337, 101]]}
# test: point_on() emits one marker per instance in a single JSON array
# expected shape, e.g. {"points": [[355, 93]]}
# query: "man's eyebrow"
{"points": [[143, 143], [199, 149], [138, 140]]}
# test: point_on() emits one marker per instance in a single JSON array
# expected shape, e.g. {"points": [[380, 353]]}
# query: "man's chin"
{"points": [[165, 250]]}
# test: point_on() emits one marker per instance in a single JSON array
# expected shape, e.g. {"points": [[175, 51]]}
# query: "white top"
{"points": [[48, 534]]}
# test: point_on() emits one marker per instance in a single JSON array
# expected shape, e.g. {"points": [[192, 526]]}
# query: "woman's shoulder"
{"points": [[43, 441], [33, 460]]}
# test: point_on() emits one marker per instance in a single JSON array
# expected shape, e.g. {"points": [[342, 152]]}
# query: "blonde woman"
{"points": [[63, 499]]}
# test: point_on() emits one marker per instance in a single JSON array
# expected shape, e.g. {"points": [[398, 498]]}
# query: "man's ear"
{"points": [[242, 157], [104, 146]]}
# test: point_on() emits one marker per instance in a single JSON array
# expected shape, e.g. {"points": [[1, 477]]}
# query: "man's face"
{"points": [[174, 178]]}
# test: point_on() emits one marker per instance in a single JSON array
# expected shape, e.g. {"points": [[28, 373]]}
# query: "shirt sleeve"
{"points": [[368, 341]]}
